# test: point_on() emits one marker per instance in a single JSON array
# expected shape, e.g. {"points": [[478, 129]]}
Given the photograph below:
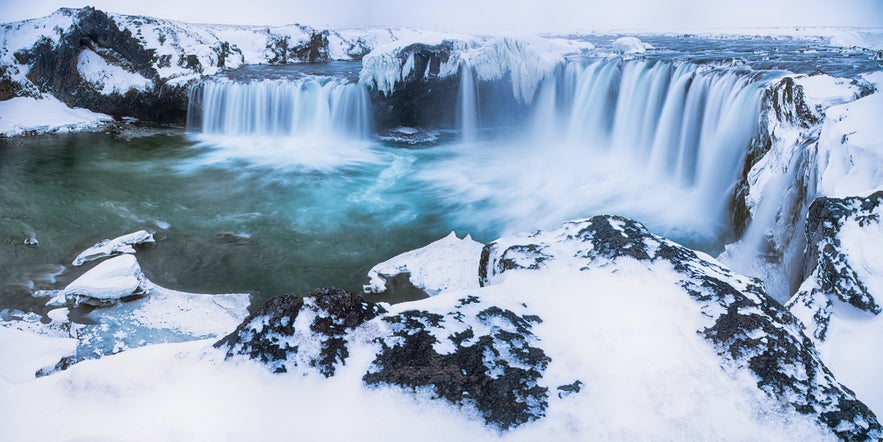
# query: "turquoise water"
{"points": [[221, 225]]}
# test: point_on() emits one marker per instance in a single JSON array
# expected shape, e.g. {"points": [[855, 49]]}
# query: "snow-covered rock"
{"points": [[116, 246], [527, 60], [26, 115], [630, 45], [291, 333], [142, 67], [447, 264], [24, 353], [850, 148], [117, 278], [108, 78], [591, 321], [839, 302]]}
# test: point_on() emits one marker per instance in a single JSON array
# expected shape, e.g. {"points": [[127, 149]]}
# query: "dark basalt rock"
{"points": [[784, 102], [788, 103], [53, 69], [831, 269], [749, 329], [837, 277], [496, 370], [426, 98], [314, 51], [569, 389], [290, 331]]}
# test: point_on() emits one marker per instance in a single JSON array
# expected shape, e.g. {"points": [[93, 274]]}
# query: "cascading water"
{"points": [[657, 141], [687, 123], [309, 122], [467, 105], [307, 107]]}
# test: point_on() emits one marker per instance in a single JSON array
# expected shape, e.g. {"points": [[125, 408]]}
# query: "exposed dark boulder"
{"points": [[789, 105], [832, 273], [836, 275], [492, 364], [290, 331], [53, 69]]}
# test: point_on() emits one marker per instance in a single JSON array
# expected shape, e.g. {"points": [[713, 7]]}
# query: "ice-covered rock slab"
{"points": [[114, 279], [116, 246], [450, 263], [24, 353]]}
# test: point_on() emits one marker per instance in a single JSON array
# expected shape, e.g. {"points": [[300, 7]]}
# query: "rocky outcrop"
{"points": [[837, 273], [750, 330], [53, 69], [482, 350], [290, 332], [424, 95], [492, 360]]}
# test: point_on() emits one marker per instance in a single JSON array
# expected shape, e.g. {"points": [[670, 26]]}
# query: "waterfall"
{"points": [[467, 104], [305, 107], [687, 124]]}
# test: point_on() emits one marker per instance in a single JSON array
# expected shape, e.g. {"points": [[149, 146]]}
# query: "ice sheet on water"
{"points": [[163, 315]]}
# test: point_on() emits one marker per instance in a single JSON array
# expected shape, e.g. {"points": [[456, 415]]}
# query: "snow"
{"points": [[17, 36], [851, 334], [161, 316], [862, 38], [450, 263], [109, 281], [108, 78], [823, 91], [849, 351], [851, 149], [629, 45], [22, 115], [24, 353], [108, 247], [628, 332]]}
